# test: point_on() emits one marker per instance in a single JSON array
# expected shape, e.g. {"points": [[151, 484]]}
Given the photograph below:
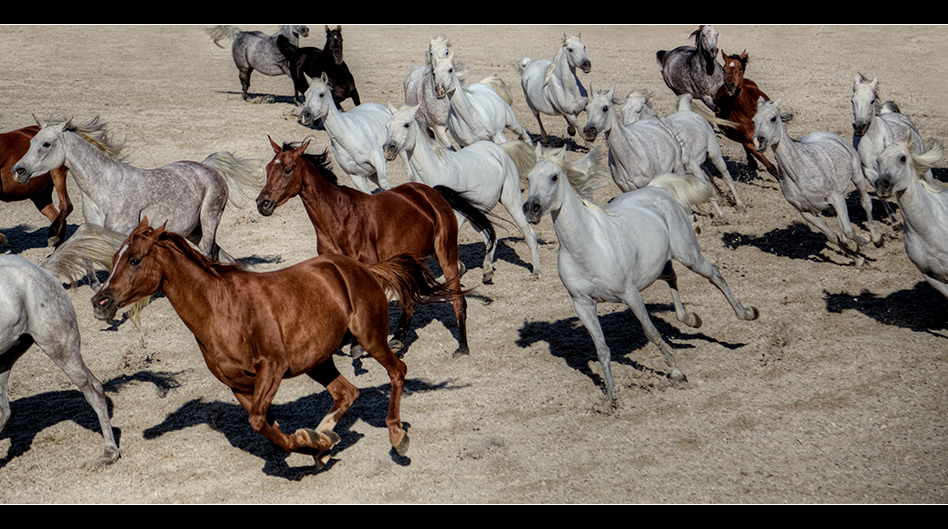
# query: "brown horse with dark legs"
{"points": [[255, 329], [737, 101], [13, 145], [412, 219]]}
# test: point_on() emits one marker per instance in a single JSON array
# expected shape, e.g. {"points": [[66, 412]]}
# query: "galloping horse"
{"points": [[255, 50], [13, 145], [736, 101], [312, 62], [255, 329], [420, 90], [411, 219], [692, 69]]}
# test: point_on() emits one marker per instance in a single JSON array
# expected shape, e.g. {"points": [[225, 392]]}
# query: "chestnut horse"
{"points": [[412, 219], [255, 329], [13, 145], [737, 101]]}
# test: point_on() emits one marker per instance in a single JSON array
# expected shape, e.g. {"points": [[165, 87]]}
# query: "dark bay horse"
{"points": [[412, 219], [13, 145], [255, 329], [737, 101], [312, 62]]}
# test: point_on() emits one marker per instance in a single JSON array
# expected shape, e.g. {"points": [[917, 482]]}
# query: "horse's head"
{"points": [[898, 168], [706, 42], [767, 124], [399, 129], [636, 107], [438, 48], [865, 103], [734, 66], [334, 43], [135, 273], [446, 78], [576, 53], [600, 114], [46, 152], [284, 178], [318, 100], [547, 180]]}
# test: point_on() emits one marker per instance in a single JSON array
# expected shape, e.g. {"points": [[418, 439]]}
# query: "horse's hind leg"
{"points": [[692, 258], [633, 298], [688, 318], [244, 76], [7, 359], [717, 159], [343, 394], [370, 336]]}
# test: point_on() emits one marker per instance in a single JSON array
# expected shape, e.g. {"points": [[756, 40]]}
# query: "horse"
{"points": [[876, 125], [356, 136], [692, 124], [34, 308], [485, 172], [924, 207], [420, 90], [411, 219], [13, 145], [190, 196], [255, 329], [693, 69], [610, 254], [640, 151], [814, 173], [552, 87], [255, 50], [312, 62], [736, 102], [480, 111]]}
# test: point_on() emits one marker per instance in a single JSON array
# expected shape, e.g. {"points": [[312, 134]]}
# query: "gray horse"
{"points": [[255, 50], [692, 69]]}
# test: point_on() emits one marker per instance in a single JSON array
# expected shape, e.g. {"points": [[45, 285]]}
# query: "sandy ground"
{"points": [[837, 393]]}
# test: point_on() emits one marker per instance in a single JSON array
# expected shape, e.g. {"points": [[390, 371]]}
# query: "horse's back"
{"points": [[33, 302]]}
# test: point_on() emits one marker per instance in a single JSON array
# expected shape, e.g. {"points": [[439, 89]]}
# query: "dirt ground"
{"points": [[838, 393]]}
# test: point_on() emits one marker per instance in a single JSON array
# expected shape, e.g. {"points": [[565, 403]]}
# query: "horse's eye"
{"points": [[605, 109], [46, 144], [773, 119], [902, 158], [407, 125], [288, 170], [134, 261], [554, 178]]}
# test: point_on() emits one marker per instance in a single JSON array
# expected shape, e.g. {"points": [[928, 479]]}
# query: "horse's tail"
{"points": [[522, 65], [238, 173], [688, 190], [523, 155], [500, 87], [660, 57], [219, 33], [889, 106], [472, 213], [91, 245], [411, 281], [703, 111]]}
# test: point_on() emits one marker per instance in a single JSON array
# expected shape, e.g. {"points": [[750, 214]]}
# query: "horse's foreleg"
{"points": [[717, 159], [586, 310], [544, 139], [7, 359], [343, 394], [367, 332], [513, 203], [866, 202], [848, 235]]}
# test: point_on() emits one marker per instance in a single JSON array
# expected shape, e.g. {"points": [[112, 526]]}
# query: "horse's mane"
{"points": [[320, 161], [921, 163], [583, 174], [94, 132], [177, 242], [697, 35], [552, 67], [743, 60]]}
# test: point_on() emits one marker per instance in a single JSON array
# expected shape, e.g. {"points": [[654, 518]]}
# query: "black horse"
{"points": [[312, 62]]}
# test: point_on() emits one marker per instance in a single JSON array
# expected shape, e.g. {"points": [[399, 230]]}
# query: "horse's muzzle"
{"points": [[859, 129], [586, 66], [104, 306], [390, 150], [590, 133], [20, 174], [533, 211], [265, 206]]}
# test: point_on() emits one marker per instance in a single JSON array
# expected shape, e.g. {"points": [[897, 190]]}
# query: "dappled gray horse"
{"points": [[814, 174], [693, 69], [255, 50], [420, 90]]}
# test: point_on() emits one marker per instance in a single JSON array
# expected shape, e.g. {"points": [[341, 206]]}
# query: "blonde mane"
{"points": [[556, 58], [94, 132]]}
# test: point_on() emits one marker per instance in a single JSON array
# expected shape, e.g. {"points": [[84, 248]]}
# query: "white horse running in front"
{"points": [[356, 136], [480, 111], [692, 124], [610, 254], [420, 90], [924, 208], [552, 88], [814, 173], [485, 173]]}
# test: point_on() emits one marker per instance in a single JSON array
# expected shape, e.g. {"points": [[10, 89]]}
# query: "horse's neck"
{"points": [[423, 157], [321, 200], [565, 74], [337, 126], [574, 224], [924, 213], [787, 152], [95, 172], [189, 288], [462, 103]]}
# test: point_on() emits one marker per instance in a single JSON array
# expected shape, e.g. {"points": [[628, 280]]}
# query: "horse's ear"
{"points": [[324, 78], [143, 223], [560, 153], [327, 29], [302, 148], [160, 231], [276, 148], [38, 123], [392, 108], [538, 151]]}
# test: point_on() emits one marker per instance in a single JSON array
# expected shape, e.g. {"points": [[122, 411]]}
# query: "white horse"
{"points": [[478, 112], [255, 50], [814, 174], [610, 254], [876, 125], [924, 208], [34, 308], [692, 124], [552, 87], [190, 196], [485, 173], [356, 136], [420, 90]]}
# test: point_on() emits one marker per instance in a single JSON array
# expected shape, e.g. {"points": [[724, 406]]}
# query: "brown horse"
{"points": [[737, 101], [411, 219], [255, 329], [13, 145]]}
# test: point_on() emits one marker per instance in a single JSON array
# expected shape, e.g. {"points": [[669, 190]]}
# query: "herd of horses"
{"points": [[255, 329]]}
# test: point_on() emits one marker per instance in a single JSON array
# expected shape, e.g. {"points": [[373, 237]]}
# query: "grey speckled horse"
{"points": [[255, 50], [692, 69], [420, 90], [34, 308]]}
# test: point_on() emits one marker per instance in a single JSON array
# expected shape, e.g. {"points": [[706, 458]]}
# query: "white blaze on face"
{"points": [[733, 64], [121, 252]]}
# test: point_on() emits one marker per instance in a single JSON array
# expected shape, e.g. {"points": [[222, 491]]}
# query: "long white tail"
{"points": [[219, 33], [688, 190], [89, 246], [239, 174], [500, 87], [524, 156]]}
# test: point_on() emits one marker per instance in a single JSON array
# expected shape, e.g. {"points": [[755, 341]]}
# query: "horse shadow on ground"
{"points": [[568, 339], [231, 420], [257, 98], [921, 309], [21, 239]]}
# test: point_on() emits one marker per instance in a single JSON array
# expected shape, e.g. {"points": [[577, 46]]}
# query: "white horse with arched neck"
{"points": [[552, 87]]}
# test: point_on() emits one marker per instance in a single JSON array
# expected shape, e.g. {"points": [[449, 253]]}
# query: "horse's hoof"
{"points": [[109, 456], [50, 242], [461, 351], [488, 278], [356, 351], [461, 268], [402, 447], [395, 345], [751, 314], [3, 239], [677, 376], [571, 131], [692, 320]]}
